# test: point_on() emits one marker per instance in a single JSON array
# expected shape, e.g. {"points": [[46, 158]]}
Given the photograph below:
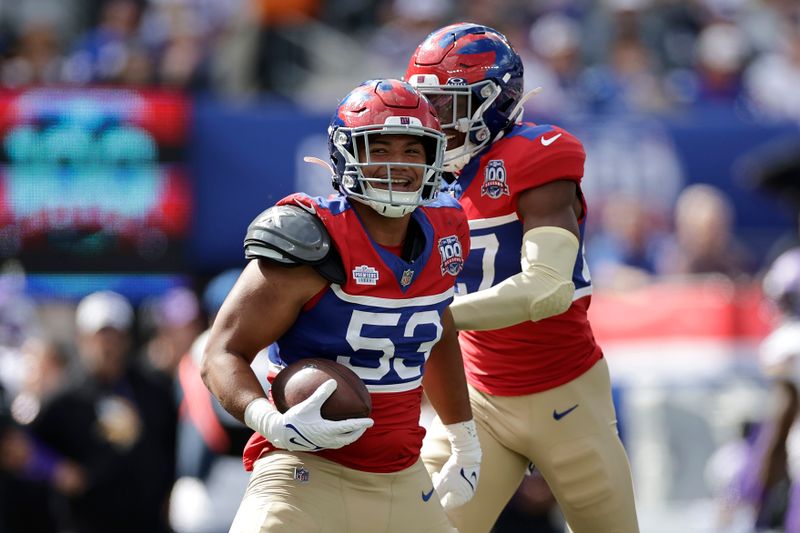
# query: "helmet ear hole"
{"points": [[505, 106]]}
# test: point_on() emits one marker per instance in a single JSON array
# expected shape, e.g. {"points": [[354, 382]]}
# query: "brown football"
{"points": [[300, 379]]}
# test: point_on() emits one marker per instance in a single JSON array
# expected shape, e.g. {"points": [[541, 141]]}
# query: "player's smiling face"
{"points": [[397, 150]]}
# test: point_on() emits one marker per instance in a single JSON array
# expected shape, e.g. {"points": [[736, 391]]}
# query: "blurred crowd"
{"points": [[109, 427], [597, 56]]}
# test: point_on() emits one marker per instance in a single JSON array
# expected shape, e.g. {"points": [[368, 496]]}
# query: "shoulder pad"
{"points": [[291, 236], [287, 234]]}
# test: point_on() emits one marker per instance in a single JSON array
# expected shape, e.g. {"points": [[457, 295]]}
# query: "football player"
{"points": [[539, 385], [363, 278]]}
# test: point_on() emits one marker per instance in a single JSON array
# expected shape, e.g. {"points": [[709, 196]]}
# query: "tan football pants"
{"points": [[300, 492], [577, 451]]}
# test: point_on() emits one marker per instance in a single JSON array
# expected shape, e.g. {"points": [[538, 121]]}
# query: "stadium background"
{"points": [[140, 137]]}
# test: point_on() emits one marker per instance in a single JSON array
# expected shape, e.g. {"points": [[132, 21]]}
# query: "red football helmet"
{"points": [[473, 77], [384, 107]]}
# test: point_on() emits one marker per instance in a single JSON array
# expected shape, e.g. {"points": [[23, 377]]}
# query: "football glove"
{"points": [[302, 428], [457, 481]]}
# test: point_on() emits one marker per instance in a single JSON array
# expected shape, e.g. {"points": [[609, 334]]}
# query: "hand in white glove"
{"points": [[302, 427], [457, 481]]}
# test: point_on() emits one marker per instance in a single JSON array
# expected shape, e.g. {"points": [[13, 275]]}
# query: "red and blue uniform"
{"points": [[532, 356], [382, 323]]}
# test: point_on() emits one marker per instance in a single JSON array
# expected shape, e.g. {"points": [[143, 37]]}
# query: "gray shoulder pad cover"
{"points": [[287, 234]]}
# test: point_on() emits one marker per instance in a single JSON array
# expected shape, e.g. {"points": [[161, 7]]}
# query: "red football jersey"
{"points": [[532, 356], [382, 323]]}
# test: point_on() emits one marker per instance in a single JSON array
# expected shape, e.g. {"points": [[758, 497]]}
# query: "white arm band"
{"points": [[544, 288]]}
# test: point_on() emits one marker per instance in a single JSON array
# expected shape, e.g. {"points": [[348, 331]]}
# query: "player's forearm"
{"points": [[543, 288], [444, 380], [231, 380]]}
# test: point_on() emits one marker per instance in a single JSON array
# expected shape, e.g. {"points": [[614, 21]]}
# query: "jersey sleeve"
{"points": [[542, 155]]}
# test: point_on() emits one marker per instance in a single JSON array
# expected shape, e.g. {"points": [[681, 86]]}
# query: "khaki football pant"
{"points": [[300, 492], [576, 449]]}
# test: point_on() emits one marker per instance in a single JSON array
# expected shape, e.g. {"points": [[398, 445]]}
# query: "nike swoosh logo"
{"points": [[426, 497], [303, 444], [562, 414], [474, 477], [298, 443], [551, 140], [310, 208]]}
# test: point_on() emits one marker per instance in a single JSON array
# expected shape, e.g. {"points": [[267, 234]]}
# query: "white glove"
{"points": [[302, 427], [457, 481]]}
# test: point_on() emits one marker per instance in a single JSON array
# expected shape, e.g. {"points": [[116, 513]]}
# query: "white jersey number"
{"points": [[388, 361], [489, 244]]}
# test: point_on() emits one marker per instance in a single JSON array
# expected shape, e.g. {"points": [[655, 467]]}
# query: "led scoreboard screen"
{"points": [[93, 180]]}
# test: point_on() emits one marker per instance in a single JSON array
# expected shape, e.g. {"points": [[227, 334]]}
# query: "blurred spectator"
{"points": [[18, 321], [624, 252], [720, 54], [704, 242], [177, 321], [45, 373], [37, 477], [554, 65], [212, 479], [182, 36], [282, 60], [35, 58], [403, 25], [772, 79], [778, 475], [26, 501], [116, 424], [626, 83], [102, 53]]}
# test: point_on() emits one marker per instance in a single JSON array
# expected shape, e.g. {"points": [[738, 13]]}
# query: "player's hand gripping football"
{"points": [[457, 481], [302, 427]]}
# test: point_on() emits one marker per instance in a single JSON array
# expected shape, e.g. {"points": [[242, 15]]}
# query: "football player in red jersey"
{"points": [[363, 278], [539, 385]]}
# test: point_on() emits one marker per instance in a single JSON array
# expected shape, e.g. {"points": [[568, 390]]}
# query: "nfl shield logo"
{"points": [[450, 252], [406, 278], [494, 180], [301, 474]]}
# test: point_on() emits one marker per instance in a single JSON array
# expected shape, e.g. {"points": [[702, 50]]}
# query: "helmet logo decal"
{"points": [[450, 252], [495, 184], [456, 81]]}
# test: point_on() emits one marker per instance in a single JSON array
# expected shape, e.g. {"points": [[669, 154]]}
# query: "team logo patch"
{"points": [[450, 251], [494, 180], [405, 279], [301, 474], [365, 275]]}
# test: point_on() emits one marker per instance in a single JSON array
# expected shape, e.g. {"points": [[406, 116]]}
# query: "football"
{"points": [[300, 379]]}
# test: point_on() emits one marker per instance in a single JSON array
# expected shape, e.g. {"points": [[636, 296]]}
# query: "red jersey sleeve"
{"points": [[537, 155]]}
